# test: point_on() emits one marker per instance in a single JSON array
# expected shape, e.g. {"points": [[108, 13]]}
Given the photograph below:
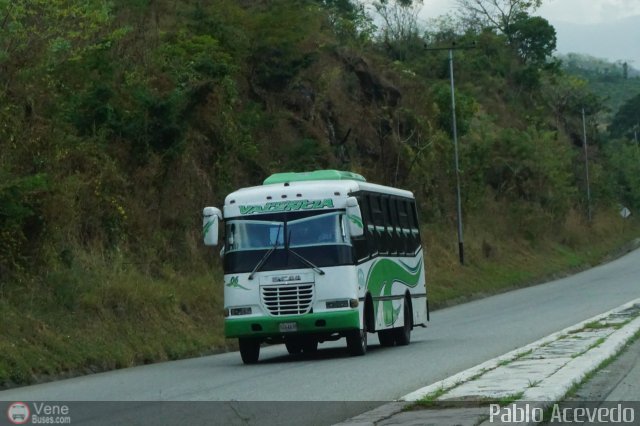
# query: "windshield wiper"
{"points": [[303, 259], [266, 255], [308, 263]]}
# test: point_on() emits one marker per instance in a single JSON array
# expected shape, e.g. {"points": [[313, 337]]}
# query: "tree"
{"points": [[566, 95], [498, 14], [626, 119], [623, 161], [534, 38], [349, 19], [400, 30]]}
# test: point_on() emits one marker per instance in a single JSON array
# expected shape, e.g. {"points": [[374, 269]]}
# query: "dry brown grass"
{"points": [[497, 258]]}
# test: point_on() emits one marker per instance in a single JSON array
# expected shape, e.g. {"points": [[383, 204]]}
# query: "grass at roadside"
{"points": [[103, 314], [74, 322], [496, 261]]}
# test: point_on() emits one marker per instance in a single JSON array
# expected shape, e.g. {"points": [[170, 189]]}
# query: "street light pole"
{"points": [[635, 136], [586, 163], [454, 129]]}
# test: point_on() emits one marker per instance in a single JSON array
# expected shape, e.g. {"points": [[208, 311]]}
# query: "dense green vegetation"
{"points": [[615, 83], [120, 120]]}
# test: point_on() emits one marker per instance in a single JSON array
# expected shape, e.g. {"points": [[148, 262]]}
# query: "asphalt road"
{"points": [[457, 338]]}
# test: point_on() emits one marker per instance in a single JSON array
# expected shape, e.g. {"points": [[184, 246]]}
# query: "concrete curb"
{"points": [[559, 384], [555, 388], [469, 374]]}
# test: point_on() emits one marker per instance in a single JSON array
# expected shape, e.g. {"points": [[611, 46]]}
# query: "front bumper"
{"points": [[264, 326]]}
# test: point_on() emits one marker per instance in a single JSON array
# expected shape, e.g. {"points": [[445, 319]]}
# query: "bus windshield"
{"points": [[322, 229]]}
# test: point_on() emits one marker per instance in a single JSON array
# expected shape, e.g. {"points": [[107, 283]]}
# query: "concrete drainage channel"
{"points": [[533, 377]]}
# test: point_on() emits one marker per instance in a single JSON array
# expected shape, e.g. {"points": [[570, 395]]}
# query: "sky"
{"points": [[574, 11], [595, 19], [588, 11]]}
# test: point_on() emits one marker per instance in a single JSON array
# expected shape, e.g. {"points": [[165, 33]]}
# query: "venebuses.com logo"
{"points": [[18, 413]]}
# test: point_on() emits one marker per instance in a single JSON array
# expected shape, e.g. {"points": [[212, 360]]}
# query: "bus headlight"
{"points": [[354, 303], [336, 304]]}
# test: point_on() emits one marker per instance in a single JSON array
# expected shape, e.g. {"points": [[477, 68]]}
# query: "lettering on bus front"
{"points": [[286, 278], [287, 206]]}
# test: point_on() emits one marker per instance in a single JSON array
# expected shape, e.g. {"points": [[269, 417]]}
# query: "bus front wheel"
{"points": [[357, 341], [249, 350]]}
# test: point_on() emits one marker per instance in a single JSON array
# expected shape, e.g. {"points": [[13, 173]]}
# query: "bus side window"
{"points": [[361, 245], [403, 220], [415, 226], [369, 242], [384, 226], [409, 226], [378, 222], [397, 235], [392, 215]]}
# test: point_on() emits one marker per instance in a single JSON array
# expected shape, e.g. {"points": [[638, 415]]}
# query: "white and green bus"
{"points": [[313, 257]]}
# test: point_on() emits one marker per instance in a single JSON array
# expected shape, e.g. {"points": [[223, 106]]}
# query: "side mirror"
{"points": [[210, 218], [354, 218]]}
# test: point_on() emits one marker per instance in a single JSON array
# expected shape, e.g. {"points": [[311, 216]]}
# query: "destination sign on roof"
{"points": [[286, 206]]}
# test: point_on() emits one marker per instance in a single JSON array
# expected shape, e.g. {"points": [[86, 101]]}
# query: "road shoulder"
{"points": [[535, 376]]}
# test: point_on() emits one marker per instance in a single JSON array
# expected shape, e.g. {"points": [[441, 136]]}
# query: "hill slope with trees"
{"points": [[120, 121], [614, 83]]}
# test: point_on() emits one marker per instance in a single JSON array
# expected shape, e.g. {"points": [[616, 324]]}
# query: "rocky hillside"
{"points": [[120, 121]]}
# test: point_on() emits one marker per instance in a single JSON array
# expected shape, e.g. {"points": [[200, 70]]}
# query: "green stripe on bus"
{"points": [[382, 275]]}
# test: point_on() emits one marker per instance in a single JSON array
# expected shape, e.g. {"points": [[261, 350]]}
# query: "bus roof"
{"points": [[309, 189], [314, 175]]}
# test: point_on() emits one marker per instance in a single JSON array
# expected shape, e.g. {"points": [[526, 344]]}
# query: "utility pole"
{"points": [[457, 162], [635, 136], [454, 130], [586, 163]]}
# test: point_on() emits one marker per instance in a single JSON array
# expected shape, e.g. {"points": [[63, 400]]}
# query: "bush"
{"points": [[21, 221]]}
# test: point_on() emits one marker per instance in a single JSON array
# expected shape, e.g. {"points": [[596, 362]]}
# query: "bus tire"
{"points": [[249, 350], [357, 341], [403, 334], [386, 337]]}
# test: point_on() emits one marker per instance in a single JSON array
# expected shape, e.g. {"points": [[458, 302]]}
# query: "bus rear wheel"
{"points": [[249, 350], [403, 334], [386, 337]]}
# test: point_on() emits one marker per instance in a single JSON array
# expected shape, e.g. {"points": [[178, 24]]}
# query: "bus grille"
{"points": [[288, 299]]}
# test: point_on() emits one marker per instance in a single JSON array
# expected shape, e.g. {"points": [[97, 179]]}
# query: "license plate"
{"points": [[287, 327]]}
